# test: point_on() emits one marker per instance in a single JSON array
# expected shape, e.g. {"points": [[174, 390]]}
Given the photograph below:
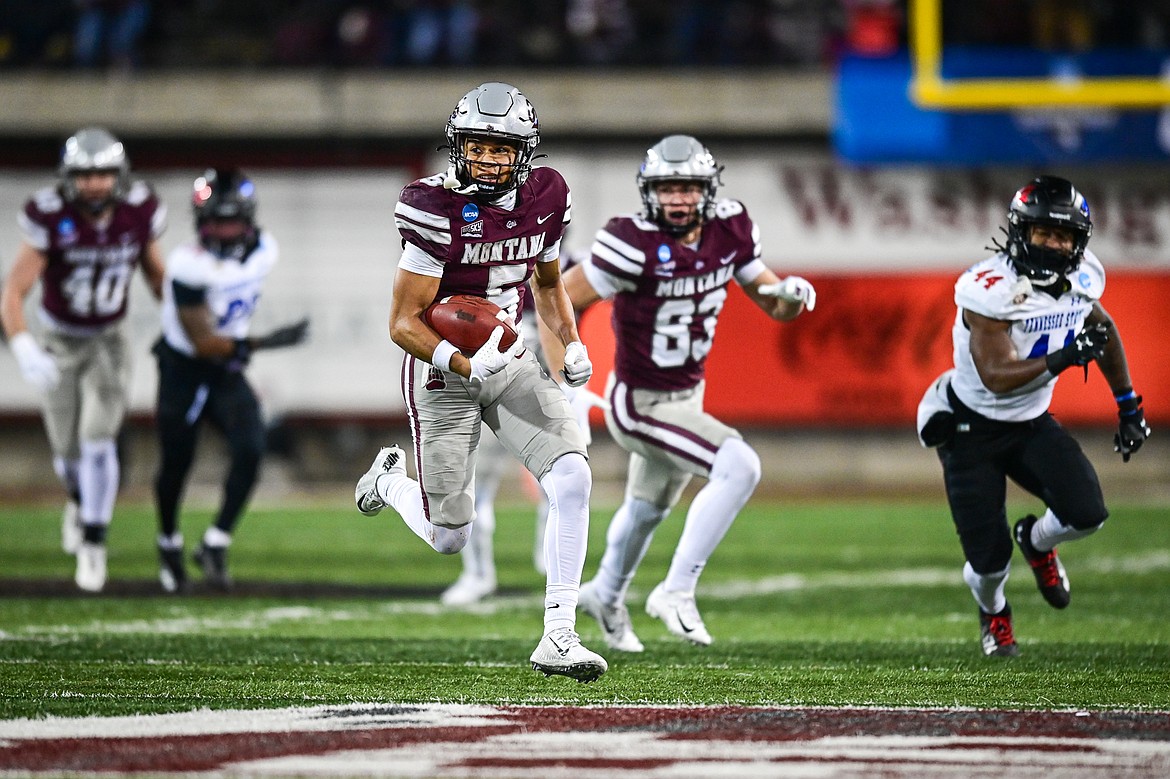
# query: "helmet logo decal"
{"points": [[470, 212]]}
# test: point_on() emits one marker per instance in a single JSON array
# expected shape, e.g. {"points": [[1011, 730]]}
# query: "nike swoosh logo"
{"points": [[727, 259], [686, 628], [542, 219]]}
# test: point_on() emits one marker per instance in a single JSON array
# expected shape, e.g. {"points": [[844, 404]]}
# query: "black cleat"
{"points": [[172, 573], [213, 561], [1046, 566], [996, 630]]}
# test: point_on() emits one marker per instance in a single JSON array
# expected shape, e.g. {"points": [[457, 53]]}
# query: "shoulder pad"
{"points": [[47, 200], [989, 288], [138, 193], [1088, 280]]}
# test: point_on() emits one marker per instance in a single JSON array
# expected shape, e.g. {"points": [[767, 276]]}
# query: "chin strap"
{"points": [[450, 181]]}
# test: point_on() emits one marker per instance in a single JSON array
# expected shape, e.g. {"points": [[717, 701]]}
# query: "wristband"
{"points": [[441, 358], [242, 352], [1125, 396]]}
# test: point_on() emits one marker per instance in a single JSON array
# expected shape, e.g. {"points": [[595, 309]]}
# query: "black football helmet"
{"points": [[93, 149], [1054, 202], [678, 158], [492, 110], [225, 193]]}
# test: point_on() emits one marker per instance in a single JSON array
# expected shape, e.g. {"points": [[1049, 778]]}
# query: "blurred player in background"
{"points": [[83, 240], [212, 288], [667, 271], [484, 228], [1026, 314]]}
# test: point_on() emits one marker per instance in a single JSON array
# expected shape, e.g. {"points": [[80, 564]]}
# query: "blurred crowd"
{"points": [[133, 34]]}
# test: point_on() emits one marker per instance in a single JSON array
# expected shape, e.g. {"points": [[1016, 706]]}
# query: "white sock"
{"points": [[1049, 531], [97, 477], [67, 471], [567, 485], [477, 555], [171, 542], [734, 476], [626, 543], [404, 495], [987, 588], [216, 538]]}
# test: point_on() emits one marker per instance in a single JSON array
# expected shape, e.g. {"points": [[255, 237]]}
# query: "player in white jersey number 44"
{"points": [[1025, 315]]}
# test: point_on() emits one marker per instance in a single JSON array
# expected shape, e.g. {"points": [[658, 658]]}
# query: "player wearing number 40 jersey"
{"points": [[83, 240], [668, 271], [1026, 314]]}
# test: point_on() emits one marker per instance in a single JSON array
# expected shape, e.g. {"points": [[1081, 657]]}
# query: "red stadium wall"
{"points": [[874, 342]]}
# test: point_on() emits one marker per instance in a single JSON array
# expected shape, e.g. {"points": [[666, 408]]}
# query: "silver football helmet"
{"points": [[93, 149], [492, 110], [678, 158]]}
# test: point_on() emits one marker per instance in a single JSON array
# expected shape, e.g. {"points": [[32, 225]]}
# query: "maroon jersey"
{"points": [[667, 296], [485, 250], [86, 284]]}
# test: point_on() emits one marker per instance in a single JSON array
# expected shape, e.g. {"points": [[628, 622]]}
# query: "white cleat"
{"points": [[614, 620], [560, 652], [91, 567], [680, 614], [390, 459], [71, 532], [468, 590]]}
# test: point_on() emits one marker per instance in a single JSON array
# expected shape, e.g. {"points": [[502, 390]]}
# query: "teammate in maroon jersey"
{"points": [[667, 271], [485, 227], [83, 240]]}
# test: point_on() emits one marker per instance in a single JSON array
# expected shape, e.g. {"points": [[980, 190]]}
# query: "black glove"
{"points": [[289, 335], [1089, 345], [1132, 430]]}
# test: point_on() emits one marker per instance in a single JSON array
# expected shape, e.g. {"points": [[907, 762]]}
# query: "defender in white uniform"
{"points": [[211, 292], [1026, 314]]}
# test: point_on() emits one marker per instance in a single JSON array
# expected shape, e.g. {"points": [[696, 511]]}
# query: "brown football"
{"points": [[467, 322]]}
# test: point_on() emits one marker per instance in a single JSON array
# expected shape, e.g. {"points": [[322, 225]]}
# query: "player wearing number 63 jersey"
{"points": [[1024, 315], [83, 240], [667, 271]]}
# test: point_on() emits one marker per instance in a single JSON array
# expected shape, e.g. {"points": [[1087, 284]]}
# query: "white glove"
{"points": [[793, 289], [581, 400], [38, 366], [489, 360], [578, 367]]}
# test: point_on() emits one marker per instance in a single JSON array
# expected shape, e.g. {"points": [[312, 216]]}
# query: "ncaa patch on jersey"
{"points": [[470, 212], [473, 230], [663, 253]]}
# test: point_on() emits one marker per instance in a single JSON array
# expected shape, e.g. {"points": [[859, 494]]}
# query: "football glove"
{"points": [[1089, 345], [488, 360], [289, 335], [38, 367], [1132, 430], [578, 368], [794, 289]]}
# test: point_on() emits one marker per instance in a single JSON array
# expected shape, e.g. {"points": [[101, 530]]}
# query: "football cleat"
{"points": [[213, 561], [996, 633], [680, 614], [468, 589], [614, 620], [390, 459], [172, 573], [71, 531], [561, 652], [91, 567], [1051, 578]]}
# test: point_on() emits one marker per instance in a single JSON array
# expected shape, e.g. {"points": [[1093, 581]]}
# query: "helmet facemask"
{"points": [[678, 158], [492, 112], [1051, 202], [221, 196], [93, 150]]}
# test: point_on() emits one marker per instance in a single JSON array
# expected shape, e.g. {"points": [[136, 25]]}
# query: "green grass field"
{"points": [[810, 603]]}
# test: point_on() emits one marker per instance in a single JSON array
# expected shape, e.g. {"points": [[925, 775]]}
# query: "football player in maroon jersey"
{"points": [[667, 271], [484, 227], [83, 239]]}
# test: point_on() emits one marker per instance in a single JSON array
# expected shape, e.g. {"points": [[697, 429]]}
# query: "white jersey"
{"points": [[231, 288], [1040, 325]]}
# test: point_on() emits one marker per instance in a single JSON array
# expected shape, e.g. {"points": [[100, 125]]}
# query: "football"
{"points": [[467, 322]]}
